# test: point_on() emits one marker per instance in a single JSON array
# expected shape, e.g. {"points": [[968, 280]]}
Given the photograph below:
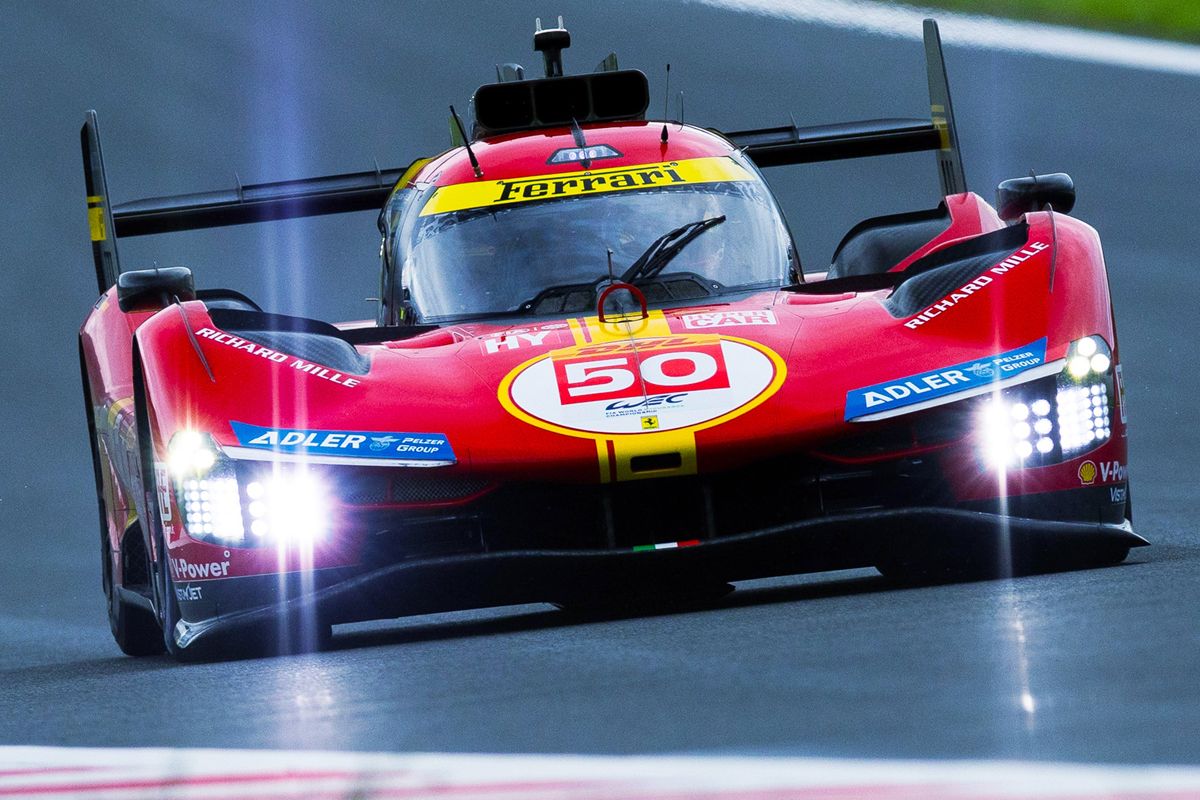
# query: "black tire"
{"points": [[135, 629], [162, 587]]}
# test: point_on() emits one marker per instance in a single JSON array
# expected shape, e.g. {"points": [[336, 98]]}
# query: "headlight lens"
{"points": [[190, 453], [1053, 419], [239, 504], [1013, 431], [289, 505], [211, 509], [206, 488]]}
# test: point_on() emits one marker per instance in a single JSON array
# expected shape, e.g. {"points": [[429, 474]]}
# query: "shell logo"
{"points": [[1087, 472]]}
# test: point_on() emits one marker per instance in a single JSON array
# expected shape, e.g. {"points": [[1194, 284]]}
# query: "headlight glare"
{"points": [[211, 508], [1052, 419], [245, 504], [190, 453], [289, 506], [1007, 444]]}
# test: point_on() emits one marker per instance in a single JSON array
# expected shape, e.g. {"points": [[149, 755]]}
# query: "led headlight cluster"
{"points": [[239, 504], [1083, 418], [206, 488], [191, 454], [1014, 431], [1017, 432], [1088, 357], [288, 506], [1083, 399], [1055, 418], [211, 509]]}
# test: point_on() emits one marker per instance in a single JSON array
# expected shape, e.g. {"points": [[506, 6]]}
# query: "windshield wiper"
{"points": [[666, 247], [648, 265]]}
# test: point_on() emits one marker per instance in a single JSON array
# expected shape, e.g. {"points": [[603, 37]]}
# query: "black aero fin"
{"points": [[609, 64], [950, 168], [99, 206]]}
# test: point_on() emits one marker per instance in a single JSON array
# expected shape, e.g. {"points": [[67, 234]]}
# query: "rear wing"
{"points": [[260, 202], [773, 147], [360, 191]]}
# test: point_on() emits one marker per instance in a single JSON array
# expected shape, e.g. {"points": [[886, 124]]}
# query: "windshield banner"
{"points": [[481, 194]]}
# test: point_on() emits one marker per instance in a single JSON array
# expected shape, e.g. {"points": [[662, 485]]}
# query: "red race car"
{"points": [[599, 375]]}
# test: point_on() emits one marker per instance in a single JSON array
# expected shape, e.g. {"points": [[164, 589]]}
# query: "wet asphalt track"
{"points": [[1095, 666]]}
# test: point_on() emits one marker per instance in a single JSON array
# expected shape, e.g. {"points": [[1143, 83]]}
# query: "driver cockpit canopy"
{"points": [[540, 244]]}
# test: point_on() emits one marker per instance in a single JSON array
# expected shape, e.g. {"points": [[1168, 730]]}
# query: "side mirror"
{"points": [[1020, 196], [154, 288]]}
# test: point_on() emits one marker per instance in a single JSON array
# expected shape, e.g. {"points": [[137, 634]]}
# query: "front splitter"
{"points": [[479, 580]]}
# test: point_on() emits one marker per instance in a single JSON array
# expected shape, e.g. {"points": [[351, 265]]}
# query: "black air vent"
{"points": [[553, 102]]}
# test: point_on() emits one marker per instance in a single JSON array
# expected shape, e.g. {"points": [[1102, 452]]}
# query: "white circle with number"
{"points": [[658, 386]]}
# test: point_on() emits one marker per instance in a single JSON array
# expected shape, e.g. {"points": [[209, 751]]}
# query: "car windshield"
{"points": [[552, 256]]}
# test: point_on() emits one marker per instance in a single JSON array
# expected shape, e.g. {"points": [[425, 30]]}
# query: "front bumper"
{"points": [[476, 580]]}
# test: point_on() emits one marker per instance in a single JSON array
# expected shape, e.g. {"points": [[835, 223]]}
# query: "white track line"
{"points": [[968, 30], [134, 774]]}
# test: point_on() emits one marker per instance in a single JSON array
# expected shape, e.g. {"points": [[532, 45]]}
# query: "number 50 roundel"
{"points": [[683, 381]]}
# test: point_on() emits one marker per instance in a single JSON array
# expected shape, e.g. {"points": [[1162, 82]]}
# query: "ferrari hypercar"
{"points": [[598, 374]]}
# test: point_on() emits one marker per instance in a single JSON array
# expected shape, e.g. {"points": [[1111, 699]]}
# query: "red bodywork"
{"points": [[801, 354]]}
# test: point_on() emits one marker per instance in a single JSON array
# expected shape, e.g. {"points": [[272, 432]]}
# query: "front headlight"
{"points": [[191, 453], [206, 488], [1053, 419], [240, 504], [288, 506]]}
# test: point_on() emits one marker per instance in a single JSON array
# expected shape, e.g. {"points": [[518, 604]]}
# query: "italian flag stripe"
{"points": [[666, 545]]}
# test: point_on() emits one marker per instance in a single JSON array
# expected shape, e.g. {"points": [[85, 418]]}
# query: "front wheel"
{"points": [[160, 571], [134, 628]]}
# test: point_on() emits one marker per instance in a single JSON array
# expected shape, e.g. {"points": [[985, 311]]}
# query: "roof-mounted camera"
{"points": [[558, 100], [550, 43]]}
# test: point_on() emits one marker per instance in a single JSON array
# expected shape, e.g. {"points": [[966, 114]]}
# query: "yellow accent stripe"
{"points": [[412, 171], [943, 132], [116, 408], [602, 457], [618, 328], [480, 194], [95, 198], [96, 223], [627, 448]]}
